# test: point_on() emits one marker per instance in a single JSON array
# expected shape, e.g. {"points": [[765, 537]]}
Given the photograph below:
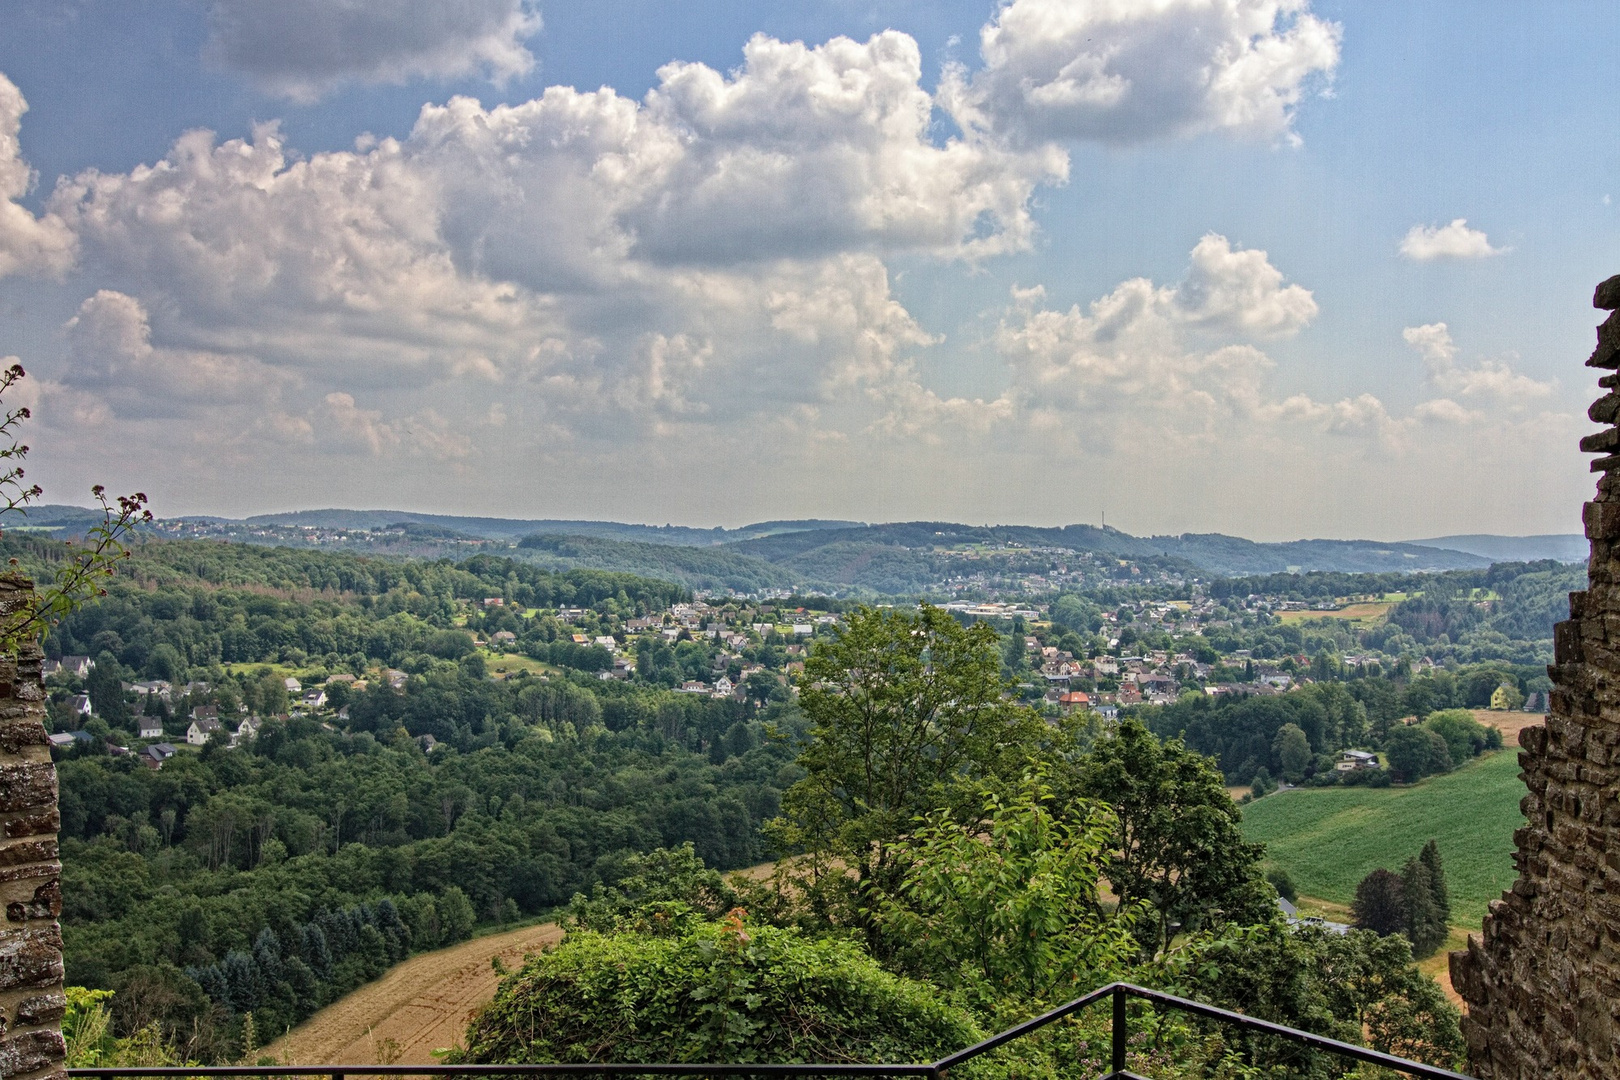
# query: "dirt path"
{"points": [[420, 1005]]}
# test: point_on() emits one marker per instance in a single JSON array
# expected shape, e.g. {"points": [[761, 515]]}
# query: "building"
{"points": [[200, 731], [1355, 760], [80, 703], [149, 727]]}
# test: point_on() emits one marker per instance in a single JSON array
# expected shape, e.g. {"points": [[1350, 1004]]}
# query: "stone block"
{"points": [[20, 732], [31, 1051], [44, 1009], [27, 785], [30, 958], [37, 824], [46, 903], [28, 851]]}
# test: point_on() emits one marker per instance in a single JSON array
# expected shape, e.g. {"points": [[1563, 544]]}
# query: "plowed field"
{"points": [[420, 1005]]}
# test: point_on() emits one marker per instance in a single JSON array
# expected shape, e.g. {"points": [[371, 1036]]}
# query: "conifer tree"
{"points": [[1425, 927], [1430, 857]]}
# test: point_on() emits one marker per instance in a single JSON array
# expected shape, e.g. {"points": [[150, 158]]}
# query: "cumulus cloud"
{"points": [[1488, 378], [1424, 243], [301, 49], [1121, 72], [1134, 347], [28, 244]]}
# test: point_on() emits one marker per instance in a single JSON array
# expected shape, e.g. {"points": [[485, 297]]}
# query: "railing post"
{"points": [[1119, 1029]]}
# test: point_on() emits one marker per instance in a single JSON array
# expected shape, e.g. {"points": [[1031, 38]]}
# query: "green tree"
{"points": [[1438, 889], [1425, 927], [1009, 908], [1293, 751], [456, 915], [1380, 903], [1175, 843], [1415, 751], [908, 715], [1465, 737]]}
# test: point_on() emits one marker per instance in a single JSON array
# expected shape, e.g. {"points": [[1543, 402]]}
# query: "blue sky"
{"points": [[1254, 266]]}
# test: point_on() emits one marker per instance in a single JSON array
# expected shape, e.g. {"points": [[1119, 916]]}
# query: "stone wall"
{"points": [[31, 1001], [1542, 982]]}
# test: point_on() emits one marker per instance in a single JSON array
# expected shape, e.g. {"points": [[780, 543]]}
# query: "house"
{"points": [[803, 629], [155, 755], [150, 687], [315, 699], [580, 639], [79, 666], [396, 678], [80, 703], [293, 685], [503, 636], [428, 743], [61, 739], [494, 601], [691, 686], [149, 727], [607, 642], [1352, 760], [722, 687], [247, 730], [200, 731], [1071, 700], [205, 712]]}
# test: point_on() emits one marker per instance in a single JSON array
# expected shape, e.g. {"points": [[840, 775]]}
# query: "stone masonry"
{"points": [[31, 1001], [1542, 982]]}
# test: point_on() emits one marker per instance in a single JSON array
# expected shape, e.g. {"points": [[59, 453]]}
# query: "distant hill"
{"points": [[1565, 547], [701, 568], [843, 555], [514, 528], [893, 558]]}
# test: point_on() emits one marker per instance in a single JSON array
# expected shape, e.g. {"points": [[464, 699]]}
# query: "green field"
{"points": [[1328, 839]]}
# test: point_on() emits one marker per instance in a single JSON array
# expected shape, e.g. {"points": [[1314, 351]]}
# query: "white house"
{"points": [[1351, 760], [315, 699], [722, 687], [293, 685], [149, 727], [80, 703], [246, 731], [199, 731]]}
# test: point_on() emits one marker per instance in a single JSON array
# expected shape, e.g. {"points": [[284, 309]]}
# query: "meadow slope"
{"points": [[1328, 839]]}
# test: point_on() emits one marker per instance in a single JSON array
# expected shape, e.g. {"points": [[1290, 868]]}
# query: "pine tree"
{"points": [[1425, 928], [1430, 857]]}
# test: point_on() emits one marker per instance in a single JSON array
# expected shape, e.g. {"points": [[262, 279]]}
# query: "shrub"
{"points": [[720, 992]]}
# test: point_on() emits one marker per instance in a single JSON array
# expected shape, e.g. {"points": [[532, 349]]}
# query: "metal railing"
{"points": [[1119, 993]]}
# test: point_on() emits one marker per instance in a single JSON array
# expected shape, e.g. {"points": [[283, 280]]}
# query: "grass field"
{"points": [[1328, 839]]}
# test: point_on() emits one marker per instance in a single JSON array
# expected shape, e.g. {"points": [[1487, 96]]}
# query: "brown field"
{"points": [[1508, 723], [1366, 611], [420, 1005]]}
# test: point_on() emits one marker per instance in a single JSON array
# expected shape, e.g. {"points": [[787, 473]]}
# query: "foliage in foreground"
{"points": [[717, 991]]}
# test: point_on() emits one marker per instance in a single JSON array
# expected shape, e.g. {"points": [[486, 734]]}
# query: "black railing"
{"points": [[1120, 993]]}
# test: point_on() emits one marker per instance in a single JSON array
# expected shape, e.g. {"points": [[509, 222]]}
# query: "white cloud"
{"points": [[1488, 378], [1423, 243], [1123, 71], [302, 49], [28, 244]]}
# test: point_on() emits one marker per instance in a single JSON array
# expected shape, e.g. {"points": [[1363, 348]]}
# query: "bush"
{"points": [[1465, 737], [720, 992]]}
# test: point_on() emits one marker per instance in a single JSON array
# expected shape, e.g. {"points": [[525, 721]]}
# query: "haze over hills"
{"points": [[1565, 547], [895, 558]]}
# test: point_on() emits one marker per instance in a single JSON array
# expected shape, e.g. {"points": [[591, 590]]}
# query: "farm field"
{"points": [[1328, 839], [420, 1005], [1364, 612]]}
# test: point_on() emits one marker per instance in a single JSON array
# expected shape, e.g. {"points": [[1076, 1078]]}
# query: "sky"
{"points": [[1274, 268]]}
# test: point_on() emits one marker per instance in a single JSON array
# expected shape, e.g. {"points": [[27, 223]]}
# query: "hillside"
{"points": [[1328, 839], [419, 1006], [842, 555]]}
